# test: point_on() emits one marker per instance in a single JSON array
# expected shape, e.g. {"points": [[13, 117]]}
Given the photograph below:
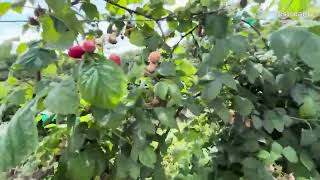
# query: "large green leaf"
{"points": [[308, 137], [91, 10], [211, 90], [306, 160], [290, 154], [63, 98], [116, 10], [293, 5], [276, 119], [54, 35], [221, 110], [298, 42], [18, 138], [166, 116], [84, 165], [62, 11], [137, 38], [103, 83], [238, 44], [161, 90], [243, 105], [36, 58], [127, 167], [308, 109], [217, 25], [167, 69], [148, 157], [4, 7]]}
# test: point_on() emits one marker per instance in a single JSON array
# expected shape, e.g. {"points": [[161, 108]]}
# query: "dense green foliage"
{"points": [[237, 97]]}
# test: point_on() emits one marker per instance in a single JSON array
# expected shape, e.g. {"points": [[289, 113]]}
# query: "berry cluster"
{"points": [[89, 46], [153, 60]]}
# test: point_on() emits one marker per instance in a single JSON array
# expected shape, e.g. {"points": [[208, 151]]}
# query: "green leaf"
{"points": [[238, 44], [110, 118], [211, 90], [308, 109], [243, 105], [3, 91], [275, 118], [148, 157], [217, 25], [228, 80], [290, 154], [58, 5], [263, 154], [308, 137], [55, 33], [137, 38], [257, 122], [186, 67], [252, 71], [298, 42], [293, 6], [276, 148], [116, 10], [83, 165], [22, 47], [37, 58], [17, 97], [174, 94], [127, 167], [221, 110], [166, 116], [298, 93], [63, 98], [4, 7], [63, 12], [103, 84], [310, 51], [217, 55], [306, 160], [268, 125], [18, 138], [167, 69], [286, 81], [161, 90], [90, 10], [184, 26]]}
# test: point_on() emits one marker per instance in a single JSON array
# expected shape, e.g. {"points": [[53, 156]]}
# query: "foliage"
{"points": [[233, 98]]}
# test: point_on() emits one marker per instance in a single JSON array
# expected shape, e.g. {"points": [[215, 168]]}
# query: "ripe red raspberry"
{"points": [[76, 52]]}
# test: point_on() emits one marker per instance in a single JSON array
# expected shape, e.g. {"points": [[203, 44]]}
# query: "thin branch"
{"points": [[131, 11], [38, 76], [197, 46], [206, 13], [161, 30], [181, 38], [122, 138], [258, 32], [301, 119]]}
